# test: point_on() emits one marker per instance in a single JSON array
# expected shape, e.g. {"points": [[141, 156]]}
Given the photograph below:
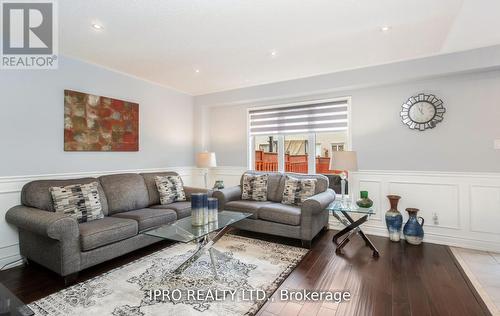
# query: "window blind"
{"points": [[317, 117]]}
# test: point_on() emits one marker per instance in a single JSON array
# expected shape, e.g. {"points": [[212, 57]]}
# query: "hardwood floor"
{"points": [[405, 280]]}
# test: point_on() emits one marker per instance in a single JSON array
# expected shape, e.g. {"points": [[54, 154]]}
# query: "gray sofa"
{"points": [[130, 202], [273, 217]]}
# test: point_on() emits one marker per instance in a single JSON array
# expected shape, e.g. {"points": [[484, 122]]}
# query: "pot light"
{"points": [[96, 26], [385, 28], [197, 71], [273, 53]]}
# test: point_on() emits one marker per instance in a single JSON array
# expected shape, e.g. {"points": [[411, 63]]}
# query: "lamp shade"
{"points": [[206, 159], [344, 160]]}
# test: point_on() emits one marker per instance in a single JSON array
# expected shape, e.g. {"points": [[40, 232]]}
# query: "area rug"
{"points": [[249, 268]]}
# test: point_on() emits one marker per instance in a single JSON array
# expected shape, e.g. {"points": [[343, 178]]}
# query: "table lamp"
{"points": [[206, 160], [345, 161]]}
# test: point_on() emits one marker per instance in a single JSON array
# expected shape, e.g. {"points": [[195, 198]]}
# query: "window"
{"points": [[266, 153], [298, 137]]}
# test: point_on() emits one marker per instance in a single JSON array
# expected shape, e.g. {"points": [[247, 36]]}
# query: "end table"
{"points": [[340, 210]]}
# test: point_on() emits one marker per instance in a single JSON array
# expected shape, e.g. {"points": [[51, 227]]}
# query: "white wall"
{"points": [[32, 118]]}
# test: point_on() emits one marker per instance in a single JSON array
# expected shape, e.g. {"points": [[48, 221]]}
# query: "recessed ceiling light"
{"points": [[97, 26], [197, 71], [273, 53], [385, 28]]}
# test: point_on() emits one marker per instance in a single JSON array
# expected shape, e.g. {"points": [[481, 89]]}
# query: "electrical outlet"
{"points": [[496, 144], [435, 219]]}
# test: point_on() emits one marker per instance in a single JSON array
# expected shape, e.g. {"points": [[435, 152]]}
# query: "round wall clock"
{"points": [[422, 111]]}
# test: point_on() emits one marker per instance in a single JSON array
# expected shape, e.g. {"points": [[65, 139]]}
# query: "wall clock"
{"points": [[422, 112]]}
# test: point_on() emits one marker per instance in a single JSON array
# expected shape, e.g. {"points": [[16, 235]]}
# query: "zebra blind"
{"points": [[316, 117]]}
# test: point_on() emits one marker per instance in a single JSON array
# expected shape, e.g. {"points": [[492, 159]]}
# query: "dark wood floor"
{"points": [[405, 280]]}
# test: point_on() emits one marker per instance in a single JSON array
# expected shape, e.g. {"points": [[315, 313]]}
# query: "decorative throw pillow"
{"points": [[170, 189], [81, 201], [298, 190], [254, 187]]}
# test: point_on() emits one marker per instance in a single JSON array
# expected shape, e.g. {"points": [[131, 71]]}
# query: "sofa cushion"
{"points": [[149, 179], [125, 192], [80, 201], [37, 193], [254, 187], [297, 190], [321, 180], [149, 217], [275, 184], [281, 213], [246, 206], [106, 231], [183, 209], [170, 189]]}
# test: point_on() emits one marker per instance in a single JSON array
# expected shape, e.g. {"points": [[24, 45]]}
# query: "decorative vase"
{"points": [[394, 219], [364, 201], [413, 231], [219, 185]]}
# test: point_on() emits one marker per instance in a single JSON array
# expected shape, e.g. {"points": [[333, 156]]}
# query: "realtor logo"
{"points": [[29, 34]]}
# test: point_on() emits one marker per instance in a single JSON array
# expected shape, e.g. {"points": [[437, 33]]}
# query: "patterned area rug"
{"points": [[249, 266]]}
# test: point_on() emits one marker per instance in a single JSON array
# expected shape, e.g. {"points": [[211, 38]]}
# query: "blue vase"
{"points": [[394, 219], [413, 231]]}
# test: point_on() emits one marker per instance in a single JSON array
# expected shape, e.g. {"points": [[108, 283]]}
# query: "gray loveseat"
{"points": [[273, 217], [130, 202]]}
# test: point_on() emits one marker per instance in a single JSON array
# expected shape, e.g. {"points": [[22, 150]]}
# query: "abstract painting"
{"points": [[94, 123]]}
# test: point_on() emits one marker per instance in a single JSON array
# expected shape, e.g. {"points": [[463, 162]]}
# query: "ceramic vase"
{"points": [[219, 185], [394, 219], [364, 201], [413, 231]]}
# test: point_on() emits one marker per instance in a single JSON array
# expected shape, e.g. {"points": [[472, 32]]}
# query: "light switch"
{"points": [[497, 144]]}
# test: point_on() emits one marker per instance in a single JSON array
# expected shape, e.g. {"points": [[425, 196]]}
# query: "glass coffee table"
{"points": [[183, 231], [340, 210]]}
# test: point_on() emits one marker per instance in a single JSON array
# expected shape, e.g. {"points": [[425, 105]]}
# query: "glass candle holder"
{"points": [[198, 208], [213, 209]]}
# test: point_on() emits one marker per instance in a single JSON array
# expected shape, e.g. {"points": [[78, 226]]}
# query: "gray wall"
{"points": [[32, 117], [463, 142]]}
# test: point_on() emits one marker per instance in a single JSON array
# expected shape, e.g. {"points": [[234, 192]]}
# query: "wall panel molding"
{"points": [[458, 205], [472, 200]]}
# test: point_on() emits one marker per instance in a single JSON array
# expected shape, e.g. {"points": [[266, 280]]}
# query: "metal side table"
{"points": [[340, 210]]}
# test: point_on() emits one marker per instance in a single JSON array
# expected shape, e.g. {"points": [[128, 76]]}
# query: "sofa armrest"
{"points": [[49, 224], [227, 195], [190, 190], [317, 203]]}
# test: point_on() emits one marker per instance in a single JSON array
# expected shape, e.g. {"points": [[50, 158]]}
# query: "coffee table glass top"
{"points": [[350, 207], [183, 231]]}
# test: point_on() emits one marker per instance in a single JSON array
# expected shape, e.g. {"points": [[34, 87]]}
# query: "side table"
{"points": [[340, 210]]}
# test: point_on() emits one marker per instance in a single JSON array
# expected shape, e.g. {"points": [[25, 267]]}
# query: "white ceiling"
{"points": [[230, 41]]}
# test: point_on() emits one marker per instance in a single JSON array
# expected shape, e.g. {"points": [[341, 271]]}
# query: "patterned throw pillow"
{"points": [[78, 200], [254, 187], [170, 189], [298, 190]]}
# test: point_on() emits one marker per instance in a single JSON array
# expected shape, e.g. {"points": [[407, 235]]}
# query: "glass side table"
{"points": [[340, 210]]}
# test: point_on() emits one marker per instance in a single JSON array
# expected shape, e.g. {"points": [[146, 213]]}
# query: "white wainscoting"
{"points": [[10, 195], [467, 205], [460, 209]]}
